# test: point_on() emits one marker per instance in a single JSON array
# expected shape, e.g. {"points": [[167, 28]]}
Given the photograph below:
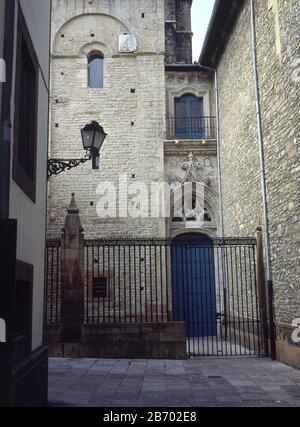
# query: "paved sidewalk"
{"points": [[200, 382]]}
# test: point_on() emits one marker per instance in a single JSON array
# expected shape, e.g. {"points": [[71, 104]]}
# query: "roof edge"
{"points": [[224, 16], [184, 67]]}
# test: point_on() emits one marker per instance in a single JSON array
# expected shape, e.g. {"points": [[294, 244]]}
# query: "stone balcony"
{"points": [[191, 128], [186, 134]]}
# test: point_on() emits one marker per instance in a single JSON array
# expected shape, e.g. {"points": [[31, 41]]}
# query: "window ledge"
{"points": [[185, 146]]}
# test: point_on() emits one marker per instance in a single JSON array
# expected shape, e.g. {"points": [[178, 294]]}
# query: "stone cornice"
{"points": [[116, 55], [184, 147]]}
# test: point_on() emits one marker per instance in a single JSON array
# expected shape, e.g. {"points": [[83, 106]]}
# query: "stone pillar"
{"points": [[262, 293], [72, 305]]}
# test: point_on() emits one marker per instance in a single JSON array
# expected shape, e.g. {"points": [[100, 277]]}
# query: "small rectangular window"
{"points": [[100, 287], [25, 124]]}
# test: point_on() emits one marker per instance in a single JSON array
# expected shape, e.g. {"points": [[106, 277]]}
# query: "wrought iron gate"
{"points": [[215, 293], [208, 283]]}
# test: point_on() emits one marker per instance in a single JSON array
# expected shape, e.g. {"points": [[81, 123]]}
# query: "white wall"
{"points": [[2, 11], [31, 217], [37, 16]]}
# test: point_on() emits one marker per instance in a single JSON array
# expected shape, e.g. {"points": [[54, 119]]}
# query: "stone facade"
{"points": [[138, 341], [277, 24], [280, 100], [137, 105], [278, 48], [181, 154], [193, 80], [178, 31], [132, 107]]}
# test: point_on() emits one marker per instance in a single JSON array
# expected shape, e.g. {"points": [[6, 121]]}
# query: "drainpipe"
{"points": [[263, 186], [221, 209]]}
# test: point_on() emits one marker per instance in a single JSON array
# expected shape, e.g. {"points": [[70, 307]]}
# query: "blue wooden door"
{"points": [[193, 284], [189, 120]]}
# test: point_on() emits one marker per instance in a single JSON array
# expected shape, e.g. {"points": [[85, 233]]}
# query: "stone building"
{"points": [[24, 46], [155, 105], [178, 29], [127, 64], [228, 48]]}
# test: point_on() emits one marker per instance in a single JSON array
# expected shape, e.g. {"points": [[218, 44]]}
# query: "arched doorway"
{"points": [[193, 284]]}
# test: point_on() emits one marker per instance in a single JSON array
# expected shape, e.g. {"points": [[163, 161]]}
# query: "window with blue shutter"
{"points": [[189, 120]]}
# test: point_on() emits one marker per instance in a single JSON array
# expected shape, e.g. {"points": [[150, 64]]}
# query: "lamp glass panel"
{"points": [[88, 136], [99, 138]]}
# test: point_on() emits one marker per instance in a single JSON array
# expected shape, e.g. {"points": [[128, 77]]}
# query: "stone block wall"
{"points": [[195, 81], [278, 53], [143, 340], [130, 107], [178, 31], [178, 154]]}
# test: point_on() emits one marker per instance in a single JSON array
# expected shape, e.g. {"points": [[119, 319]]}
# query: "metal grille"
{"points": [[137, 280], [53, 282], [211, 285]]}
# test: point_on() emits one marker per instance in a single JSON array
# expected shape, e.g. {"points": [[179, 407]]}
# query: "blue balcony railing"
{"points": [[191, 128]]}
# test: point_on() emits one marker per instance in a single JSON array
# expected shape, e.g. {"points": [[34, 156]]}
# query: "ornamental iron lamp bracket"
{"points": [[57, 166], [93, 137]]}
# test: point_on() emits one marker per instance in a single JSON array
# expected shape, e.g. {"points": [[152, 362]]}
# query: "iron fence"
{"points": [[210, 284], [53, 289], [135, 277]]}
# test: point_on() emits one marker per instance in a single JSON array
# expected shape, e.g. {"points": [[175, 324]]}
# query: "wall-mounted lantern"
{"points": [[93, 137]]}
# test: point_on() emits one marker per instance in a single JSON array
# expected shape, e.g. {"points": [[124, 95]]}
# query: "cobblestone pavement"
{"points": [[199, 382]]}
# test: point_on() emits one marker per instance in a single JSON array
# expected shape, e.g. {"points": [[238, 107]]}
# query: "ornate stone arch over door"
{"points": [[197, 187]]}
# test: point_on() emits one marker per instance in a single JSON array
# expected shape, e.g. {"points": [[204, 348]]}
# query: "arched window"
{"points": [[95, 71]]}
